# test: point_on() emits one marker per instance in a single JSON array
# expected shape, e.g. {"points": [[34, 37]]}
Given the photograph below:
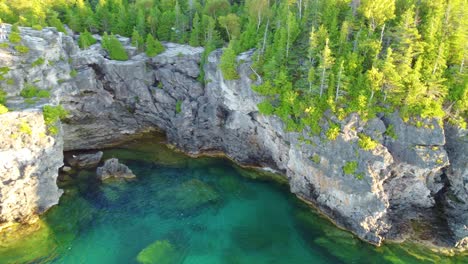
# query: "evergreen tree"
{"points": [[86, 39], [228, 63], [114, 48], [137, 40], [196, 32], [153, 46]]}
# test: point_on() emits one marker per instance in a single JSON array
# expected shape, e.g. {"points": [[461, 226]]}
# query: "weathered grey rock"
{"points": [[84, 161], [29, 163], [457, 174], [113, 169], [399, 181]]}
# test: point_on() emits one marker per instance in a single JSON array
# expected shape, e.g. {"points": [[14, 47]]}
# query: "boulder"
{"points": [[159, 252], [84, 161], [113, 169]]}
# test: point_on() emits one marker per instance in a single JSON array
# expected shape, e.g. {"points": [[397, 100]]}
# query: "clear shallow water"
{"points": [[197, 211]]}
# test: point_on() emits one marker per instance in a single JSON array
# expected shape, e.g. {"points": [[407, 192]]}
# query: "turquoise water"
{"points": [[192, 211]]}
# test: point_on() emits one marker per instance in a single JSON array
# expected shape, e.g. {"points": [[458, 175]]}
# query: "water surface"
{"points": [[191, 211]]}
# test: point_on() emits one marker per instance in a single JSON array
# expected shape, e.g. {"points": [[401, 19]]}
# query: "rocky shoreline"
{"points": [[416, 174]]}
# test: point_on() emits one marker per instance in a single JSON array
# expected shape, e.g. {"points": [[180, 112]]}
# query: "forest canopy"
{"points": [[342, 56]]}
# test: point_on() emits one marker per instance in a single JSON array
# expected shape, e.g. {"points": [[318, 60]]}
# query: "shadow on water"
{"points": [[194, 211]]}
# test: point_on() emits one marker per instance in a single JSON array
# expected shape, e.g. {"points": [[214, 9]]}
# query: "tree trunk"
{"points": [[322, 82]]}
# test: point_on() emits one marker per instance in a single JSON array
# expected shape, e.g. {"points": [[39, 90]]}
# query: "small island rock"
{"points": [[85, 161], [112, 168]]}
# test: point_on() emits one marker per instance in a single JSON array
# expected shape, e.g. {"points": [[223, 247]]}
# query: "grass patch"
{"points": [[31, 91], [38, 62], [22, 49], [350, 167]]}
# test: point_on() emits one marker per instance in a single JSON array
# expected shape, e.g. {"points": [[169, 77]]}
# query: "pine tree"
{"points": [[137, 40], [196, 32], [86, 39], [153, 46], [114, 48], [228, 63], [326, 62]]}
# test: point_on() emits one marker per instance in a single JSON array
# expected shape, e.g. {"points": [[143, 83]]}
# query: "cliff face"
{"points": [[397, 184]]}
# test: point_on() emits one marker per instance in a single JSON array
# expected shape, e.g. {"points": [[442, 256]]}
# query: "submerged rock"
{"points": [[159, 252], [190, 195], [84, 161], [113, 169]]}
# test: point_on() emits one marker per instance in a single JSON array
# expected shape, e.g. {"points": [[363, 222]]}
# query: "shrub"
{"points": [[366, 143], [350, 167], [10, 81], [22, 49], [114, 48], [37, 27], [73, 73], [3, 96], [153, 46], [86, 39], [31, 91], [228, 64], [266, 108], [3, 109], [38, 62], [4, 45], [391, 132], [333, 131], [14, 37], [52, 114], [316, 158], [178, 107]]}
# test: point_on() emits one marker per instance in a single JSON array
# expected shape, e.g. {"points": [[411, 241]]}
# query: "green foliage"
{"points": [[178, 107], [334, 131], [25, 128], [38, 62], [14, 37], [73, 73], [391, 132], [266, 108], [341, 57], [86, 39], [316, 159], [137, 40], [3, 96], [22, 49], [3, 109], [153, 46], [31, 91], [52, 114], [114, 48], [366, 143], [4, 45], [228, 64], [350, 167]]}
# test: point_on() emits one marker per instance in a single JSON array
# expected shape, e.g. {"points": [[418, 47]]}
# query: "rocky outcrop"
{"points": [[30, 155], [456, 197], [388, 188], [29, 163], [113, 169], [84, 161]]}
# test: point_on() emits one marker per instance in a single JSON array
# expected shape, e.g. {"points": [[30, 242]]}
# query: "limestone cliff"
{"points": [[399, 183]]}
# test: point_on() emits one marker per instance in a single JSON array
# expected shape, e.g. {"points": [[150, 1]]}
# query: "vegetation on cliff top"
{"points": [[342, 56]]}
